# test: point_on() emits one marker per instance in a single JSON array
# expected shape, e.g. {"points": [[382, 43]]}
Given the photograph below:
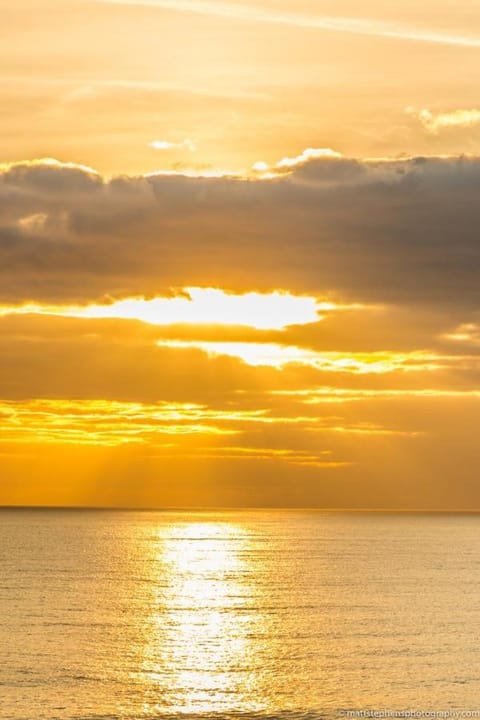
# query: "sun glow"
{"points": [[205, 575], [194, 305]]}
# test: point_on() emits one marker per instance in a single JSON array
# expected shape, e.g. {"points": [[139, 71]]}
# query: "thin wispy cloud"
{"points": [[186, 144], [435, 122], [357, 26]]}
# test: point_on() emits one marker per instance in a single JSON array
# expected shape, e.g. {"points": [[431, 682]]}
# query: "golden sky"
{"points": [[239, 255]]}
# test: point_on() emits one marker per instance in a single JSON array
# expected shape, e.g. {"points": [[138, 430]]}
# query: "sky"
{"points": [[239, 254]]}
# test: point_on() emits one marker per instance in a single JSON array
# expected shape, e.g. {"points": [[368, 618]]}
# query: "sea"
{"points": [[135, 615]]}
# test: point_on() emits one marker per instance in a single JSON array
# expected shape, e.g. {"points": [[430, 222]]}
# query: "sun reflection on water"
{"points": [[198, 656]]}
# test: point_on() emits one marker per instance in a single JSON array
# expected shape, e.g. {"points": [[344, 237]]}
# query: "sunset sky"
{"points": [[239, 253]]}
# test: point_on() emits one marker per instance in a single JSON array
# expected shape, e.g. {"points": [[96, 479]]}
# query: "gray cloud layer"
{"points": [[397, 231]]}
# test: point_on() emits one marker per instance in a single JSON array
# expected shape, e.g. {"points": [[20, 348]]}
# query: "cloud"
{"points": [[101, 398], [276, 355], [287, 163], [48, 175], [356, 26], [35, 222], [308, 154], [436, 122], [467, 333], [186, 144], [387, 231]]}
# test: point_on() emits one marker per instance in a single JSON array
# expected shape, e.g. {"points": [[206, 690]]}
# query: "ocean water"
{"points": [[140, 615]]}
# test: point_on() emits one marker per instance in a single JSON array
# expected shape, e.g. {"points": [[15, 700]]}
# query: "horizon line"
{"points": [[189, 508]]}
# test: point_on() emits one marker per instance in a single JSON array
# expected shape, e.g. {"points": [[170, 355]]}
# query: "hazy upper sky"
{"points": [[239, 255]]}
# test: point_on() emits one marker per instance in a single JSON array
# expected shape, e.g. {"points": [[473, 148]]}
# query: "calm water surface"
{"points": [[264, 614]]}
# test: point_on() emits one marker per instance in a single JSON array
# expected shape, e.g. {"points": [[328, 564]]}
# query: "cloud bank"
{"points": [[387, 231]]}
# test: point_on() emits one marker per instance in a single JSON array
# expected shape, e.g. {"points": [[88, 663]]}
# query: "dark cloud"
{"points": [[394, 231]]}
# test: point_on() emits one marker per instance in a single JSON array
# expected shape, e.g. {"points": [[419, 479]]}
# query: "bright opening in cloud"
{"points": [[262, 311]]}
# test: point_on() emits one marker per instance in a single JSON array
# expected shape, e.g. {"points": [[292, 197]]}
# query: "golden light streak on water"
{"points": [[201, 632]]}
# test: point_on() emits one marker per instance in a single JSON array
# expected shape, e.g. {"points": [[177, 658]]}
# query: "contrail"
{"points": [[354, 26]]}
